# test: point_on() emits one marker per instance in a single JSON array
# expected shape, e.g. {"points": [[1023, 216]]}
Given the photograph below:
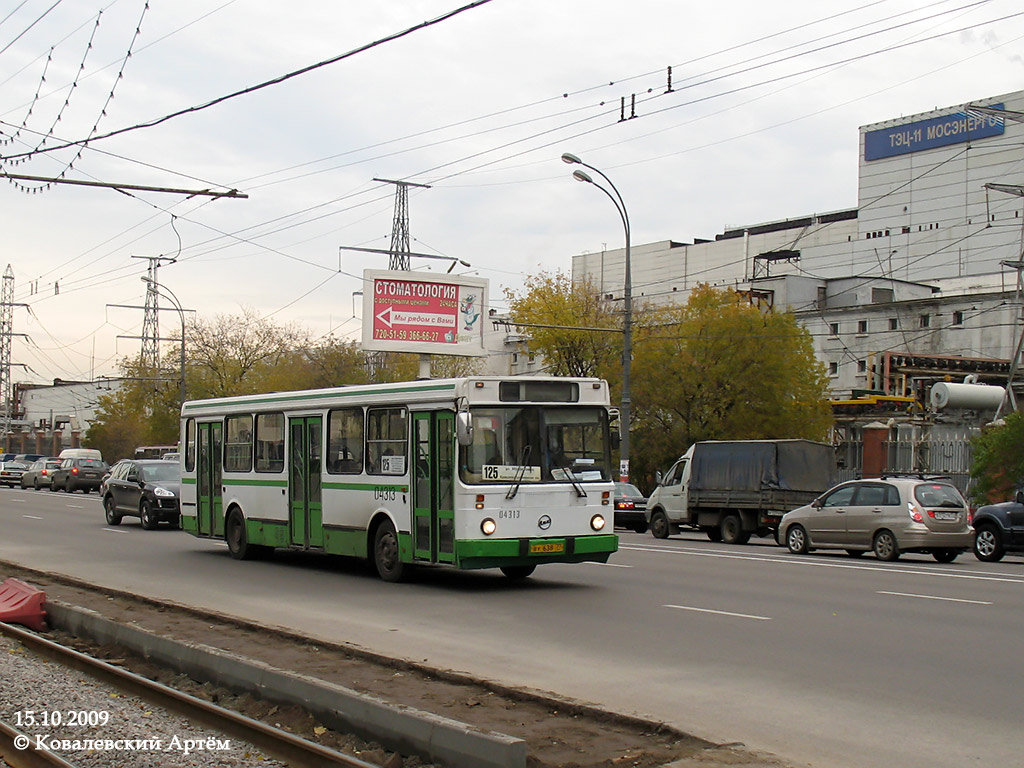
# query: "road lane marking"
{"points": [[114, 530], [720, 613], [810, 560], [608, 565], [936, 597], [32, 517], [17, 501], [74, 506]]}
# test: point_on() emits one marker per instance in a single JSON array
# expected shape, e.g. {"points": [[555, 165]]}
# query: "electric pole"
{"points": [[400, 250]]}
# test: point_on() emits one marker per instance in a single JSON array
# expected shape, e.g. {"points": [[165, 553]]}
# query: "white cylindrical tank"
{"points": [[977, 397]]}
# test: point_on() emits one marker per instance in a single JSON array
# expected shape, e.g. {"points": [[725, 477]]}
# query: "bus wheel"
{"points": [[238, 541], [517, 572], [387, 555]]}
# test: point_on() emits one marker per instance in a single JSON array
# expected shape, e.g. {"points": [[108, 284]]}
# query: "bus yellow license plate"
{"points": [[546, 547]]}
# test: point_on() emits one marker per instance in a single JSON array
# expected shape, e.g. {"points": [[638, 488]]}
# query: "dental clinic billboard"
{"points": [[413, 312]]}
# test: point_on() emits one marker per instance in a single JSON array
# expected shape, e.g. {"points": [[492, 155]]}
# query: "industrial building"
{"points": [[919, 283]]}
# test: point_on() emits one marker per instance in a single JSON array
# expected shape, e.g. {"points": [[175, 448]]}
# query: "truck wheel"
{"points": [[659, 525], [713, 533], [732, 530]]}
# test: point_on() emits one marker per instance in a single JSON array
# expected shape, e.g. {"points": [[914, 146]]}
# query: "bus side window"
{"points": [[386, 441], [345, 441]]}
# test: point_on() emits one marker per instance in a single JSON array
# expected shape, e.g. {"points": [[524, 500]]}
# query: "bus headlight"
{"points": [[488, 526], [597, 522]]}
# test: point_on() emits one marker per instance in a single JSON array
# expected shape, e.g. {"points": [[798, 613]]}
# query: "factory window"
{"points": [[833, 329], [882, 295], [862, 326], [925, 321], [894, 323], [862, 366], [958, 317], [833, 369]]}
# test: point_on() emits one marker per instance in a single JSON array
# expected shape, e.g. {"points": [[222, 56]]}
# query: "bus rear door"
{"points": [[433, 525], [209, 501], [305, 491]]}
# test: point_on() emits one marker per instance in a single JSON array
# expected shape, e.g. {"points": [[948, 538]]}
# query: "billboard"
{"points": [[413, 312], [955, 128]]}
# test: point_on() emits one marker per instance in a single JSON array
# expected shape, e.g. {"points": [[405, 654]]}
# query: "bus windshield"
{"points": [[537, 444]]}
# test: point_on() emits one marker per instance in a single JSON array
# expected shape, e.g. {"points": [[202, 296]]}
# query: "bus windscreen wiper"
{"points": [[580, 492], [520, 471]]}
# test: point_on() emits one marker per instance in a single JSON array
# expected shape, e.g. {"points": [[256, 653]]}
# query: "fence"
{"points": [[949, 456]]}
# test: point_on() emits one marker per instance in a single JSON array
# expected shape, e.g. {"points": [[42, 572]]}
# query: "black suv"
{"points": [[999, 528], [143, 488], [79, 474]]}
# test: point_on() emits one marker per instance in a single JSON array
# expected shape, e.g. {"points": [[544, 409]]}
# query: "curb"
{"points": [[401, 729]]}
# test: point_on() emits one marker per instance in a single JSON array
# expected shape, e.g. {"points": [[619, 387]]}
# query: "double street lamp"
{"points": [[169, 295], [627, 295]]}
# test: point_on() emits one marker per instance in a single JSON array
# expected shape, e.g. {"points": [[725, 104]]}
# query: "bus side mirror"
{"points": [[464, 428]]}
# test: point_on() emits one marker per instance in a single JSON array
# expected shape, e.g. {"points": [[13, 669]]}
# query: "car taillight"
{"points": [[970, 515], [74, 471], [915, 512], [42, 472]]}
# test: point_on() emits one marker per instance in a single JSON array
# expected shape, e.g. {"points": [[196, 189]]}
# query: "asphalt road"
{"points": [[821, 659]]}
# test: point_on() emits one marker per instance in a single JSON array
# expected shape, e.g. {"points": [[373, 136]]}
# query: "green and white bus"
{"points": [[478, 472]]}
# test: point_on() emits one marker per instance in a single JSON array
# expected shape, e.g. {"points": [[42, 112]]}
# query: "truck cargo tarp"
{"points": [[754, 465]]}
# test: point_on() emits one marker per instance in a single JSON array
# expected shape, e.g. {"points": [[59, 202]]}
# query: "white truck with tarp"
{"points": [[733, 489]]}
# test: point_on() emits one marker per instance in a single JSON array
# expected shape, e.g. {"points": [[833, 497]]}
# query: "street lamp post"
{"points": [[627, 297], [169, 295]]}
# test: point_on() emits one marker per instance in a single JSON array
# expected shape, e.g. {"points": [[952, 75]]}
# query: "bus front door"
{"points": [[433, 524], [210, 504], [305, 494]]}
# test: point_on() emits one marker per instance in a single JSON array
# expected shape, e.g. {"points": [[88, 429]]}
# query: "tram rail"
{"points": [[287, 747], [18, 757]]}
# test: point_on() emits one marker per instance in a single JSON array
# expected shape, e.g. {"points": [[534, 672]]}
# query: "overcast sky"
{"points": [[761, 124]]}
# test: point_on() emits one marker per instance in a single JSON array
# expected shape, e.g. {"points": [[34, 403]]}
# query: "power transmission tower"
{"points": [[400, 250], [151, 318], [6, 331], [7, 305]]}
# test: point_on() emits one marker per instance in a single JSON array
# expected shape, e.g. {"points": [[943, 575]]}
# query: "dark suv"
{"points": [[143, 488], [79, 474], [998, 529]]}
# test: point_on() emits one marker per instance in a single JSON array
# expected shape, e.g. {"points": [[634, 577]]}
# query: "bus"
{"points": [[154, 451], [477, 472]]}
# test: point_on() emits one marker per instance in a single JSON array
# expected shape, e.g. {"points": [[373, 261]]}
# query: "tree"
{"points": [[555, 300], [143, 410], [240, 354], [998, 464], [717, 368]]}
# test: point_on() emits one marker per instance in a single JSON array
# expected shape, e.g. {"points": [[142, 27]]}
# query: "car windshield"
{"points": [[938, 495], [627, 489], [161, 473]]}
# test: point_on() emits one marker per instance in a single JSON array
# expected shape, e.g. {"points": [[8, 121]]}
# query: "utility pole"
{"points": [[400, 250]]}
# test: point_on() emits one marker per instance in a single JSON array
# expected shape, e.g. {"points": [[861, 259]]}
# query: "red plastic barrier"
{"points": [[22, 604]]}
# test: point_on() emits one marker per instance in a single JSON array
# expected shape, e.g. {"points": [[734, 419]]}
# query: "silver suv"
{"points": [[888, 515]]}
